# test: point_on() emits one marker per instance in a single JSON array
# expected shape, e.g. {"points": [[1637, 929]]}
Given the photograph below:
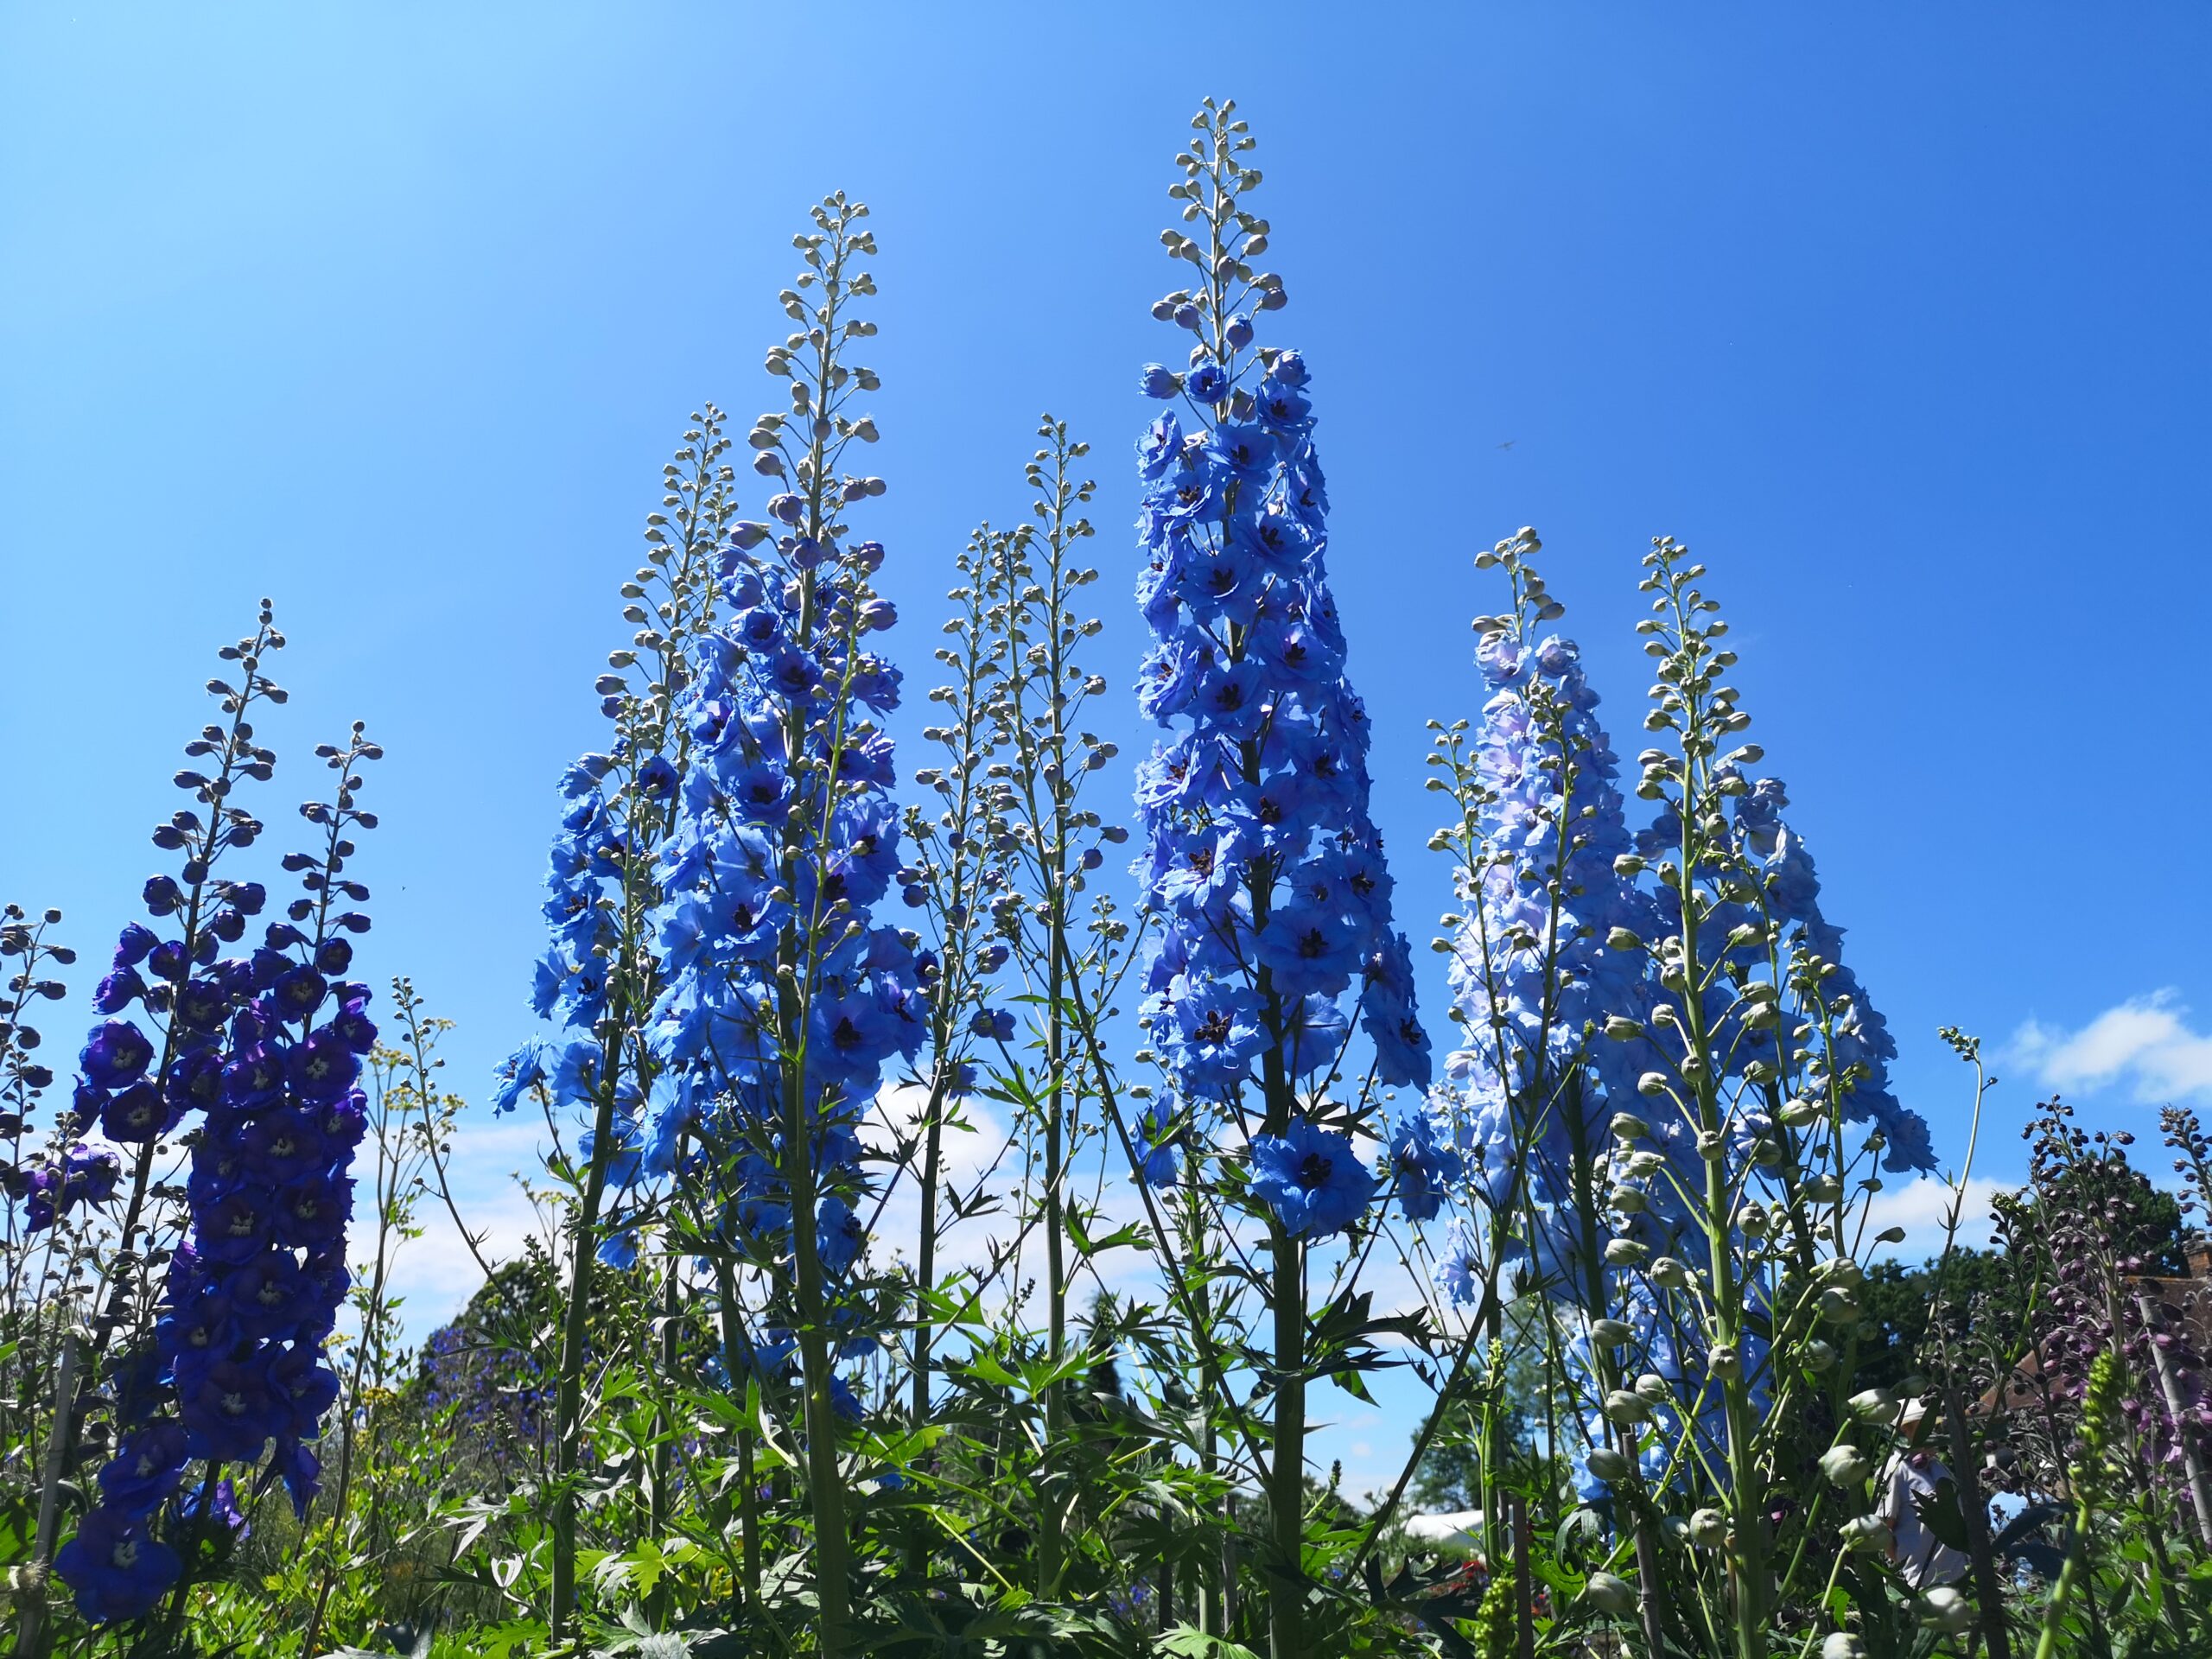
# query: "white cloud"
{"points": [[2146, 1043], [437, 1273]]}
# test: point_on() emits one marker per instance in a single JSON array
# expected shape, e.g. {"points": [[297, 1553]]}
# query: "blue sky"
{"points": [[1894, 312]]}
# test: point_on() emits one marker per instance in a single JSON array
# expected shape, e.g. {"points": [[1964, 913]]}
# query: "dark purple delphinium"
{"points": [[51, 1185], [2087, 1218], [268, 1047]]}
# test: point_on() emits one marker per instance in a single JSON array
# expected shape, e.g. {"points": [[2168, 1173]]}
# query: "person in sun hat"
{"points": [[1909, 1478]]}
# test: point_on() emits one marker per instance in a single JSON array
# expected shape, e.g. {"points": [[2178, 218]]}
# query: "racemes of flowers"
{"points": [[267, 1050], [1068, 940], [1530, 1088], [67, 1174], [1260, 864], [1736, 1192], [2083, 1222], [1669, 1090], [155, 1058], [1527, 1094], [602, 976], [783, 999]]}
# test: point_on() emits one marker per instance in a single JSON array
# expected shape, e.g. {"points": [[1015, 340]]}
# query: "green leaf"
{"points": [[1939, 1512], [1188, 1642]]}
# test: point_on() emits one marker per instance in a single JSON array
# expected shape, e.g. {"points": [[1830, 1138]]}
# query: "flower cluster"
{"points": [[2086, 1219], [1261, 858], [83, 1175], [1766, 889], [267, 1049], [782, 1000], [1533, 979], [66, 1176]]}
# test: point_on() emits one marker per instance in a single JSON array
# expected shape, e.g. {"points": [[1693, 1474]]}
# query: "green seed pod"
{"points": [[1626, 1410], [1609, 1594], [1608, 1465], [1846, 1465]]}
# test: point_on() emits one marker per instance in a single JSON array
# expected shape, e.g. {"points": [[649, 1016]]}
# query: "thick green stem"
{"points": [[824, 1477], [1055, 1138], [1287, 1585], [1286, 1472], [568, 1408]]}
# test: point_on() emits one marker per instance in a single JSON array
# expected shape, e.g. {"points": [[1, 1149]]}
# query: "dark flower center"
{"points": [[1313, 1171]]}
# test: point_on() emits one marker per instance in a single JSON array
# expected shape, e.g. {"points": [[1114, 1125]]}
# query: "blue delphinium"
{"points": [[1261, 866], [1852, 1045], [1530, 1090], [1312, 1178], [1261, 859], [781, 999]]}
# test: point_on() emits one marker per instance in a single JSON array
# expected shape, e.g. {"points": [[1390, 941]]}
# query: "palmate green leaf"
{"points": [[1188, 1642], [1129, 1236], [1940, 1513]]}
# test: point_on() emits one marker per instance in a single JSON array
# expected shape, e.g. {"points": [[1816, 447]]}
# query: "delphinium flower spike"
{"points": [[1527, 1093], [236, 1370], [1070, 941], [1261, 859], [783, 999], [602, 973], [1736, 1189], [156, 1056], [955, 882]]}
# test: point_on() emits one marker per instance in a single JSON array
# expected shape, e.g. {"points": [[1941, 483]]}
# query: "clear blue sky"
{"points": [[1895, 314]]}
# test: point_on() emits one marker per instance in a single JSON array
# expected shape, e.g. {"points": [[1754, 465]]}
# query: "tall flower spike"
{"points": [[1262, 864], [784, 1002], [273, 1045], [1530, 1090], [1261, 859], [602, 973]]}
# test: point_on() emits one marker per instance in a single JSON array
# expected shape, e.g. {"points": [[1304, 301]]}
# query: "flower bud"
{"points": [[1671, 1274], [1868, 1532], [1629, 864], [1819, 1355], [1708, 1529], [1622, 1029], [1872, 1405], [1621, 938], [1652, 1386], [1725, 1362], [1945, 1608], [1842, 1644], [1845, 1465], [1625, 1253], [1609, 1593], [1609, 1333], [1627, 1126], [1626, 1410], [1652, 1083], [1839, 1307], [1608, 1465]]}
